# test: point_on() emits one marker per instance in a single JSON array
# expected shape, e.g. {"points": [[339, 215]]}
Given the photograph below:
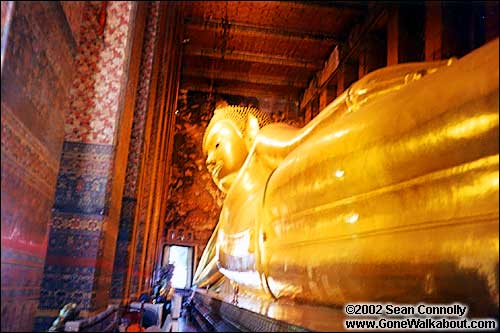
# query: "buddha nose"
{"points": [[210, 159]]}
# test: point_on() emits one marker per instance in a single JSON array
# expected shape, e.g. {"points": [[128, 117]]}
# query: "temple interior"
{"points": [[213, 166]]}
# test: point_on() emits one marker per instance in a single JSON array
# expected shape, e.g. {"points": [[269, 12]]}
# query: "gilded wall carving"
{"points": [[195, 201]]}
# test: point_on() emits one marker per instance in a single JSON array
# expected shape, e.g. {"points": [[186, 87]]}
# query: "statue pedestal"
{"points": [[262, 315]]}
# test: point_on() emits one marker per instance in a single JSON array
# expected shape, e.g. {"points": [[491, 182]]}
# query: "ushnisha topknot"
{"points": [[239, 116]]}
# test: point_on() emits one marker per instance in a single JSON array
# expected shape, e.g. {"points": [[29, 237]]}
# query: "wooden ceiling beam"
{"points": [[237, 91], [245, 77], [354, 7], [254, 57], [225, 87], [237, 27], [341, 55]]}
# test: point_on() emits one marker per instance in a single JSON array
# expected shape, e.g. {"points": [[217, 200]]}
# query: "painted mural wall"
{"points": [[195, 202], [38, 54], [79, 259]]}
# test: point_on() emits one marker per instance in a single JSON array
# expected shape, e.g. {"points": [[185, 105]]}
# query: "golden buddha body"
{"points": [[389, 195]]}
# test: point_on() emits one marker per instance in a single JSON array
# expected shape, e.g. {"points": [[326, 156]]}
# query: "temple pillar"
{"points": [[315, 107], [350, 73], [308, 113], [392, 37], [328, 94], [464, 27], [452, 30], [491, 20], [323, 98], [373, 53], [433, 30], [157, 150], [411, 35], [347, 75], [121, 268]]}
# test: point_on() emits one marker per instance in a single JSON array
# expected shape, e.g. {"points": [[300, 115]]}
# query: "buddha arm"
{"points": [[395, 202], [275, 141], [207, 273]]}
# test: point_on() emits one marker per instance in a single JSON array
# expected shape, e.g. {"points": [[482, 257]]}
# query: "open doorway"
{"points": [[182, 258]]}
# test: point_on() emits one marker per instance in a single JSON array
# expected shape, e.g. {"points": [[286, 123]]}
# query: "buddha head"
{"points": [[228, 139]]}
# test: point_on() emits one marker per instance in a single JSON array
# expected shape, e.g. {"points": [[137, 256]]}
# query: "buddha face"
{"points": [[226, 151]]}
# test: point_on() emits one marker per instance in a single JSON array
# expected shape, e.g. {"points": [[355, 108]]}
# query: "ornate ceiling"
{"points": [[261, 48]]}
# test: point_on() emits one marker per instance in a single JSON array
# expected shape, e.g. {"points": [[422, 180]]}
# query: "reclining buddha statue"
{"points": [[389, 194]]}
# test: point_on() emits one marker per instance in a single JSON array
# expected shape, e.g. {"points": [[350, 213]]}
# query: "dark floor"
{"points": [[186, 325]]}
